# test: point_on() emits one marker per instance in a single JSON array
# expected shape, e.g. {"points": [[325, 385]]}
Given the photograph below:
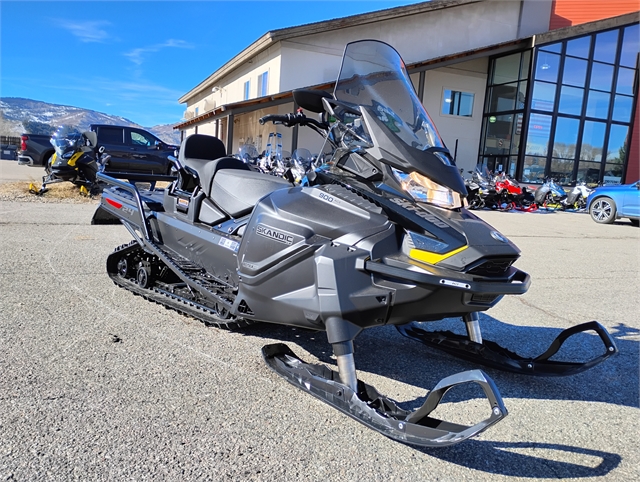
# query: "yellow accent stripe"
{"points": [[74, 158], [432, 258]]}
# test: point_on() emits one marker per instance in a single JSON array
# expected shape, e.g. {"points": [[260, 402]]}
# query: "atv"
{"points": [[379, 235]]}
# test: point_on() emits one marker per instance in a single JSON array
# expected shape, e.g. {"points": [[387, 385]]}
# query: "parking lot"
{"points": [[98, 384]]}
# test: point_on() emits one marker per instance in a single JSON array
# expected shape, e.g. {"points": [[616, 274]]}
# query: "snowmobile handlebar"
{"points": [[291, 120]]}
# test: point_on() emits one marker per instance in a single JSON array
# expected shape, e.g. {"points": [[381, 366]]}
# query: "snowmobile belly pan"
{"points": [[380, 413]]}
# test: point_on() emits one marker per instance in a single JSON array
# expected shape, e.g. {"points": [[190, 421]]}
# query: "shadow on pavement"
{"points": [[510, 459]]}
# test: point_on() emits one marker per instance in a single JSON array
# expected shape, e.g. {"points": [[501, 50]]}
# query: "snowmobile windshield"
{"points": [[65, 140], [373, 80]]}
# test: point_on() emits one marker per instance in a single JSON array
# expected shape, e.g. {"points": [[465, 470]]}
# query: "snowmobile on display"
{"points": [[377, 236], [76, 159]]}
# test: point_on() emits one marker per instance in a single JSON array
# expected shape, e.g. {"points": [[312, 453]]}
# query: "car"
{"points": [[608, 203]]}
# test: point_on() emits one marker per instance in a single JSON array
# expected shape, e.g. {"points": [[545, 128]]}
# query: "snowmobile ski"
{"points": [[381, 413], [491, 354]]}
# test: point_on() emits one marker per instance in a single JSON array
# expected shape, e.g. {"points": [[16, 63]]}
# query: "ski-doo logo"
{"points": [[419, 212], [271, 233]]}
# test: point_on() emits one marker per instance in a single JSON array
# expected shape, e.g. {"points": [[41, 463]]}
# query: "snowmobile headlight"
{"points": [[423, 189]]}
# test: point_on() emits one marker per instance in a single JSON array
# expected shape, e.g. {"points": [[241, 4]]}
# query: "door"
{"points": [[113, 141], [146, 152], [631, 200]]}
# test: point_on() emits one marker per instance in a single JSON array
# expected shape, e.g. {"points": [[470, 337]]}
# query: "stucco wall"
{"points": [[464, 77]]}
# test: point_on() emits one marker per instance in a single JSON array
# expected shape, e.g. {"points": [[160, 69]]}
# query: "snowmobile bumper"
{"points": [[491, 354], [514, 282], [380, 413]]}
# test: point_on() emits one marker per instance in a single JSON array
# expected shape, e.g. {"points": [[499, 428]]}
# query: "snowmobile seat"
{"points": [[236, 192], [206, 155]]}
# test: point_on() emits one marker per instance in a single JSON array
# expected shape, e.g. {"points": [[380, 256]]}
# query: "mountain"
{"points": [[16, 112]]}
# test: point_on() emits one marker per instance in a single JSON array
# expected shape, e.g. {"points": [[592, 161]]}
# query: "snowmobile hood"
{"points": [[373, 80]]}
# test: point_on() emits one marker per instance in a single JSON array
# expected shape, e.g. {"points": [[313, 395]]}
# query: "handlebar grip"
{"points": [[273, 118]]}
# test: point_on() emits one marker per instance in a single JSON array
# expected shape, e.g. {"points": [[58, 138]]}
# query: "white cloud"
{"points": [[137, 55], [86, 31]]}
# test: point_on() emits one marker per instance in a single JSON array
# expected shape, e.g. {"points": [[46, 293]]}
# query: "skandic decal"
{"points": [[271, 233]]}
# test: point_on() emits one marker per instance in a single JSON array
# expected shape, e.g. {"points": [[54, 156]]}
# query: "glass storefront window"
{"points": [[617, 145], [626, 77], [547, 67], [506, 69], [588, 172], [598, 104], [571, 100], [575, 72], [517, 134], [503, 97], [561, 170], [533, 169], [524, 68], [579, 47], [601, 76], [566, 137], [538, 135], [606, 46], [630, 46], [498, 134], [592, 141], [622, 106], [612, 174], [543, 96], [556, 47]]}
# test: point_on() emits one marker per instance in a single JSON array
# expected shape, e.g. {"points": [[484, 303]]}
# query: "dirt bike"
{"points": [[377, 236]]}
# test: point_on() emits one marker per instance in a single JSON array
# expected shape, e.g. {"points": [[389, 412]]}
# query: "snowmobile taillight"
{"points": [[115, 204], [423, 189]]}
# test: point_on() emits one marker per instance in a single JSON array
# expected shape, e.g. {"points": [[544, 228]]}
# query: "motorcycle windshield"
{"points": [[65, 140], [374, 79]]}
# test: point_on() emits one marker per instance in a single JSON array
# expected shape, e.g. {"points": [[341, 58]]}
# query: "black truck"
{"points": [[131, 149]]}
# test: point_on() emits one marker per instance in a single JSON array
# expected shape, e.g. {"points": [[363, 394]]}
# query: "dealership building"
{"points": [[533, 88]]}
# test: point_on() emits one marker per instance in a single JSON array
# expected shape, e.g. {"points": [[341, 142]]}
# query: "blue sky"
{"points": [[135, 59]]}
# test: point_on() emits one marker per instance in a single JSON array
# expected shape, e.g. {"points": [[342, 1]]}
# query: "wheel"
{"points": [[635, 222], [143, 277], [603, 210], [123, 267]]}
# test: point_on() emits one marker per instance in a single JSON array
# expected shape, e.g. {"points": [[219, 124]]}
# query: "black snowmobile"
{"points": [[377, 236], [76, 159]]}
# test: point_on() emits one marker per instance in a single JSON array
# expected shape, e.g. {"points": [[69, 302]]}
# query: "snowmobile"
{"points": [[376, 236], [76, 159]]}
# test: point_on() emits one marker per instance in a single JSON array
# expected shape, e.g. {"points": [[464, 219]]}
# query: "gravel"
{"points": [[98, 384]]}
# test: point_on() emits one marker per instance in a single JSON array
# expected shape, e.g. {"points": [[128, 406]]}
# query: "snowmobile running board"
{"points": [[380, 413], [491, 354]]}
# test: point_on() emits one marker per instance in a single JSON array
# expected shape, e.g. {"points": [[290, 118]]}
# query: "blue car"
{"points": [[608, 203]]}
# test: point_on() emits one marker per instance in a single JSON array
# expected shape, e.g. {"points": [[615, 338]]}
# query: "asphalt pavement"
{"points": [[99, 384]]}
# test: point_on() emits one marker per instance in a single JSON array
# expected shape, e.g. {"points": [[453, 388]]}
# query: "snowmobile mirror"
{"points": [[92, 138], [311, 99]]}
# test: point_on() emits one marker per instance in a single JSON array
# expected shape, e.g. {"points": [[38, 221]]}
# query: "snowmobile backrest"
{"points": [[237, 192], [201, 146], [199, 151]]}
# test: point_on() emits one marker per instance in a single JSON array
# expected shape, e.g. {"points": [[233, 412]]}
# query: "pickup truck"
{"points": [[131, 150], [35, 150]]}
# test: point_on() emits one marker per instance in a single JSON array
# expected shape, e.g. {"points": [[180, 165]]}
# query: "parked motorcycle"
{"points": [[75, 160], [378, 237]]}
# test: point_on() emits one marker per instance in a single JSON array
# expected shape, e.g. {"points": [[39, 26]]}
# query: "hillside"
{"points": [[16, 111]]}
